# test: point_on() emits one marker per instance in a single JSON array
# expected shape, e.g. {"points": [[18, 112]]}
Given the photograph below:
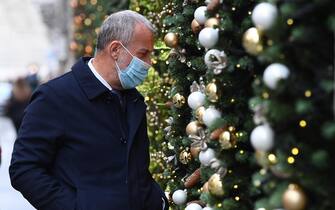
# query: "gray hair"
{"points": [[120, 26]]}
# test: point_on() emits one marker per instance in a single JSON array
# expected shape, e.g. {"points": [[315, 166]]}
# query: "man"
{"points": [[83, 142]]}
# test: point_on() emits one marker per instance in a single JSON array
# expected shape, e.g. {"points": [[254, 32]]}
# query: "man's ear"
{"points": [[114, 49]]}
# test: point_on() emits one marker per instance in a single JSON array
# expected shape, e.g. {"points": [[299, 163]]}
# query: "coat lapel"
{"points": [[136, 109]]}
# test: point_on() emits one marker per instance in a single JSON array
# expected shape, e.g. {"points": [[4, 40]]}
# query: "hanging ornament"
{"points": [[178, 100], [208, 37], [200, 15], [216, 133], [168, 129], [227, 140], [206, 156], [179, 197], [211, 92], [252, 41], [213, 5], [193, 179], [215, 185], [262, 138], [199, 113], [185, 157], [294, 198], [210, 116], [178, 54], [195, 150], [259, 116], [193, 206], [171, 40], [199, 140], [205, 188], [212, 22], [216, 60], [264, 15], [196, 27], [273, 73], [193, 128], [196, 99]]}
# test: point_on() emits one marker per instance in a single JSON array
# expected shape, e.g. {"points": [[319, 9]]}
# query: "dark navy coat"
{"points": [[73, 152]]}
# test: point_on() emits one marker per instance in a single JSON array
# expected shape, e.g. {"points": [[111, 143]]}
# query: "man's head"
{"points": [[126, 28]]}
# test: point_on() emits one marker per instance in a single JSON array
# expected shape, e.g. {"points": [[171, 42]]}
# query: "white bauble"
{"points": [[207, 208], [210, 115], [208, 37], [274, 73], [262, 138], [200, 15], [179, 197], [196, 99], [206, 156], [264, 15], [193, 206]]}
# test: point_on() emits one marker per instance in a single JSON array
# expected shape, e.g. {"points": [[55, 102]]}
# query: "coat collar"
{"points": [[91, 86]]}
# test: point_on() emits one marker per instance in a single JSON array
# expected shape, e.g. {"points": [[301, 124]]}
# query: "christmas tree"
{"points": [[252, 121]]}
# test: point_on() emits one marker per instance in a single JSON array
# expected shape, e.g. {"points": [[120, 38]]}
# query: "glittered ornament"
{"points": [[211, 92], [178, 100], [262, 138], [208, 37], [171, 39], [196, 27], [216, 60], [264, 15], [179, 197], [195, 150], [193, 128], [185, 157], [227, 140], [193, 206], [196, 99], [193, 179], [294, 198], [212, 22], [252, 42], [200, 14], [215, 185], [199, 113], [273, 73], [206, 156]]}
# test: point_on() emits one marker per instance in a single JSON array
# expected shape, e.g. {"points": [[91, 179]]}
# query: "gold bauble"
{"points": [[195, 150], [211, 22], [215, 185], [211, 92], [192, 128], [199, 112], [178, 100], [196, 27], [227, 140], [216, 133], [294, 198], [252, 41], [171, 40], [205, 188], [184, 157]]}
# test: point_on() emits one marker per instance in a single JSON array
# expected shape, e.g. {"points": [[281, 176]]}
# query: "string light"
{"points": [[290, 160], [308, 93], [303, 123], [290, 21], [295, 151]]}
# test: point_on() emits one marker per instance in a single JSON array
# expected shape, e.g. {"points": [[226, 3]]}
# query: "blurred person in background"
{"points": [[19, 100]]}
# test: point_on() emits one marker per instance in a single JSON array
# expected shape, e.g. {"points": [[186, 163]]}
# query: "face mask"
{"points": [[134, 74]]}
